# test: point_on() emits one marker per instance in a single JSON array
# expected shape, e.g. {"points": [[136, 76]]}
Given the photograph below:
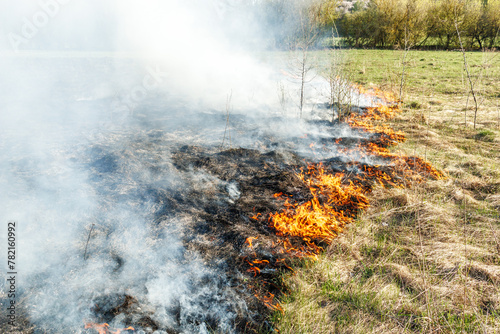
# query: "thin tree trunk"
{"points": [[302, 82], [468, 76]]}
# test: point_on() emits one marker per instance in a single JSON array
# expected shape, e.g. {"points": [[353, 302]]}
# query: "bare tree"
{"points": [[339, 81], [408, 46], [303, 40], [466, 66], [227, 130]]}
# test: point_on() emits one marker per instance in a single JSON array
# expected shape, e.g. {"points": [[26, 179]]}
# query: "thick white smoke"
{"points": [[59, 106], [82, 84], [192, 43]]}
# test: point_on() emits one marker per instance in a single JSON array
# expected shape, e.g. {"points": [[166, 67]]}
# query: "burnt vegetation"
{"points": [[250, 214], [231, 203]]}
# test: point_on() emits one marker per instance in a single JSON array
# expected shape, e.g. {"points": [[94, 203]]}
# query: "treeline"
{"points": [[421, 23], [387, 23]]}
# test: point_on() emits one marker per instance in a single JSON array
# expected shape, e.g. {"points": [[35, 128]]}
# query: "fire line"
{"points": [[337, 198]]}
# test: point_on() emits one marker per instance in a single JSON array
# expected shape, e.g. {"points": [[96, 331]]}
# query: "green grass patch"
{"points": [[485, 135]]}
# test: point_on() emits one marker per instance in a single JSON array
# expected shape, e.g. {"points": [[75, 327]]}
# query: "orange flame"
{"points": [[256, 217], [255, 270], [104, 328], [269, 302], [333, 204], [249, 241]]}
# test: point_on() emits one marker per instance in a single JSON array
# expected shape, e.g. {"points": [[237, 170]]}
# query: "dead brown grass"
{"points": [[419, 260]]}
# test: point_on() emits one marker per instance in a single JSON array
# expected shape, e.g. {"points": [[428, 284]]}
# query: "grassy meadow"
{"points": [[424, 259]]}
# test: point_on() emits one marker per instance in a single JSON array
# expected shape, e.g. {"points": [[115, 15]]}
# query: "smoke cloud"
{"points": [[86, 87]]}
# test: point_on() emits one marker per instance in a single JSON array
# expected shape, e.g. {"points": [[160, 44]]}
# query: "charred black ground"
{"points": [[220, 223], [219, 201]]}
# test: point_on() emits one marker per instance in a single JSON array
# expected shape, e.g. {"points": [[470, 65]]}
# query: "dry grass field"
{"points": [[424, 259]]}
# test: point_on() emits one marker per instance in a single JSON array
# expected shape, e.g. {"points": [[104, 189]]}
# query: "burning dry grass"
{"points": [[420, 259], [311, 221], [333, 205], [338, 198], [105, 328]]}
